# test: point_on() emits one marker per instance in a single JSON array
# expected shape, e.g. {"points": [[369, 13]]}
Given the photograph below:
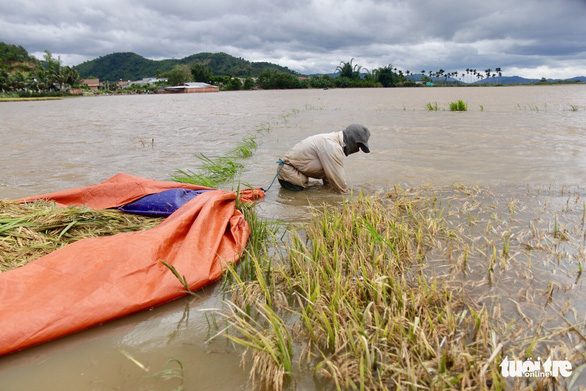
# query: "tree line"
{"points": [[350, 75], [42, 78], [468, 77], [27, 75]]}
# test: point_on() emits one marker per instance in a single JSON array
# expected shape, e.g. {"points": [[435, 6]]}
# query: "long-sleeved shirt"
{"points": [[321, 157]]}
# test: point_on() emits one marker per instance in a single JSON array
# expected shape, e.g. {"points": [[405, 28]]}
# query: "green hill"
{"points": [[131, 66], [16, 58]]}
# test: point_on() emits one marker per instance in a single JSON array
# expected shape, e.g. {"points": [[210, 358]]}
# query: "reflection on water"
{"points": [[511, 138]]}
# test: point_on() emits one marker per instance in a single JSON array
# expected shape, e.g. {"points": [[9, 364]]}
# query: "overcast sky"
{"points": [[529, 38]]}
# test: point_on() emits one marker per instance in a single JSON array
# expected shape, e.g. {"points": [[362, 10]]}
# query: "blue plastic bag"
{"points": [[161, 204]]}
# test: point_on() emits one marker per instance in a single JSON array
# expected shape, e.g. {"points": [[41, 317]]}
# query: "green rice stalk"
{"points": [[432, 106], [460, 105], [181, 278]]}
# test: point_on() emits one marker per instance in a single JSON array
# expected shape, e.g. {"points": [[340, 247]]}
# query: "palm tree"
{"points": [[72, 76], [499, 71], [369, 76], [41, 78], [349, 70]]}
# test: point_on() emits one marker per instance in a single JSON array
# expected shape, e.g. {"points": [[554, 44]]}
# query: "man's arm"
{"points": [[332, 162]]}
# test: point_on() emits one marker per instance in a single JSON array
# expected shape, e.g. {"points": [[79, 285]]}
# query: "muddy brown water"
{"points": [[511, 139]]}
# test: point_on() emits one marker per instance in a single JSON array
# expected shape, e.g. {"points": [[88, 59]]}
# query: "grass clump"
{"points": [[31, 230], [460, 105]]}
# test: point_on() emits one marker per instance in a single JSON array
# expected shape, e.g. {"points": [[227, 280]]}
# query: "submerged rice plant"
{"points": [[432, 106], [460, 105], [245, 149], [373, 296], [213, 171], [370, 317]]}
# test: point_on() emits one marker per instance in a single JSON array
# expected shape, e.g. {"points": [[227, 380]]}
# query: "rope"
{"points": [[282, 163]]}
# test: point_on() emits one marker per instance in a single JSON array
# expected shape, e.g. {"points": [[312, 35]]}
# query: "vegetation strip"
{"points": [[30, 99], [384, 294]]}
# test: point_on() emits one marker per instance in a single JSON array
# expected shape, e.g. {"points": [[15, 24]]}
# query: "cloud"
{"points": [[312, 36]]}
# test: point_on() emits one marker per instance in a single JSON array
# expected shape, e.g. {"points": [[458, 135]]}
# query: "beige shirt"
{"points": [[321, 157]]}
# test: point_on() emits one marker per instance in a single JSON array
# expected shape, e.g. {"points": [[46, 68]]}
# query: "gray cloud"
{"points": [[532, 37]]}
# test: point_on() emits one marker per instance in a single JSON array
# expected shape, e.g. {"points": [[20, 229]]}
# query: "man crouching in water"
{"points": [[320, 157]]}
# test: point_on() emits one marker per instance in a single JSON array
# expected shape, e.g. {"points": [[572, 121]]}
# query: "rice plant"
{"points": [[180, 277], [268, 338], [31, 230], [356, 286], [357, 296], [245, 148], [164, 374], [460, 105], [214, 171], [432, 106]]}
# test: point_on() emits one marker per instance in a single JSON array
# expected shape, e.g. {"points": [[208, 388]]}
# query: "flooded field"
{"points": [[510, 173]]}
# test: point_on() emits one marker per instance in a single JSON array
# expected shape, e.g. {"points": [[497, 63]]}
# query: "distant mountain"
{"points": [[506, 80], [522, 80], [131, 66], [578, 78], [418, 76]]}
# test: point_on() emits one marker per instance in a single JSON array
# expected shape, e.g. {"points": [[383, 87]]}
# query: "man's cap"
{"points": [[356, 137]]}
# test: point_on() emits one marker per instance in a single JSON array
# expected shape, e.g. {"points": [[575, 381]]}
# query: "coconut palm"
{"points": [[43, 79], [73, 77], [349, 70]]}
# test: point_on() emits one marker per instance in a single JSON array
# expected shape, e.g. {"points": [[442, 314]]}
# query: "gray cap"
{"points": [[356, 138]]}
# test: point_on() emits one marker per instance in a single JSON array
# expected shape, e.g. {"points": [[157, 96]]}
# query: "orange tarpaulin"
{"points": [[99, 279]]}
